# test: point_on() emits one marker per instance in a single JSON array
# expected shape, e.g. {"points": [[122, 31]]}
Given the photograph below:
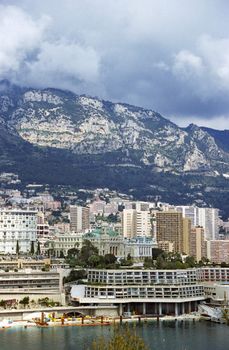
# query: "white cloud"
{"points": [[29, 56], [61, 60], [215, 53], [187, 64], [219, 122], [207, 66], [171, 56], [19, 37]]}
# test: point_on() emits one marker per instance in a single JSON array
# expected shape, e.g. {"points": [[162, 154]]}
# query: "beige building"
{"points": [[186, 235], [197, 243], [170, 228], [167, 246], [128, 223], [136, 223], [35, 284], [79, 218]]}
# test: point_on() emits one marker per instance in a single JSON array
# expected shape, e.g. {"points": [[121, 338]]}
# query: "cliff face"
{"points": [[54, 136], [85, 125]]}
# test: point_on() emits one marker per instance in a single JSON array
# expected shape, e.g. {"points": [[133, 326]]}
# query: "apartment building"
{"points": [[136, 223], [197, 243], [218, 251], [79, 218], [18, 229], [186, 235], [170, 228], [208, 218]]}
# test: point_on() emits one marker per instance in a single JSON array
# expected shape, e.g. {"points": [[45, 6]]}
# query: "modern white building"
{"points": [[208, 218], [189, 212], [168, 292], [18, 228], [136, 223], [159, 292]]}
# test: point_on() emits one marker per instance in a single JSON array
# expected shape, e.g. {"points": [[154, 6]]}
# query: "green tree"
{"points": [[127, 262], [190, 261], [24, 301], [17, 248], [73, 252], [44, 301], [75, 275], [32, 248], [121, 339], [148, 263], [110, 259], [38, 248], [86, 252], [205, 261], [160, 262], [112, 218], [94, 260], [3, 303]]}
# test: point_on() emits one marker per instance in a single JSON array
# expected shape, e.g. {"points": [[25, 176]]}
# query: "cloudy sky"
{"points": [[168, 55]]}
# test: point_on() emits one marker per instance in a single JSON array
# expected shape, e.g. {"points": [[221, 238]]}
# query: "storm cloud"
{"points": [[171, 56]]}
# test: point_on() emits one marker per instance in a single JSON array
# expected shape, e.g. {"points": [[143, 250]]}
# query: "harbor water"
{"points": [[163, 336]]}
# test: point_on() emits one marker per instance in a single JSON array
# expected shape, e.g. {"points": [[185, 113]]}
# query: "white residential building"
{"points": [[189, 212], [208, 218], [136, 223], [17, 227]]}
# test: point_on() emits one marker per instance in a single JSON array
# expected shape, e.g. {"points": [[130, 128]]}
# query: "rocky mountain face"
{"points": [[57, 137], [221, 137], [89, 126]]}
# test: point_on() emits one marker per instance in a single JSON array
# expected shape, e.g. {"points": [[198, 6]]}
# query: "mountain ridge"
{"points": [[85, 125], [55, 136]]}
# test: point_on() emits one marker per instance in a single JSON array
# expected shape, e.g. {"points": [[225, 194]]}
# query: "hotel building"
{"points": [[170, 292]]}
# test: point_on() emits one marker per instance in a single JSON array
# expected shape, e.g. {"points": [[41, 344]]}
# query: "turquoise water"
{"points": [[165, 336]]}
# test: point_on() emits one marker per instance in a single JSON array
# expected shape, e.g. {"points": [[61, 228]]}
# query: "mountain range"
{"points": [[58, 137]]}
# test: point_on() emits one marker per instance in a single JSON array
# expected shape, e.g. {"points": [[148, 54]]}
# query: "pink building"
{"points": [[218, 251]]}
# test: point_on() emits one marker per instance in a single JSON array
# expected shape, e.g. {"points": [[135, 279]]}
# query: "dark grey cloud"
{"points": [[168, 55]]}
